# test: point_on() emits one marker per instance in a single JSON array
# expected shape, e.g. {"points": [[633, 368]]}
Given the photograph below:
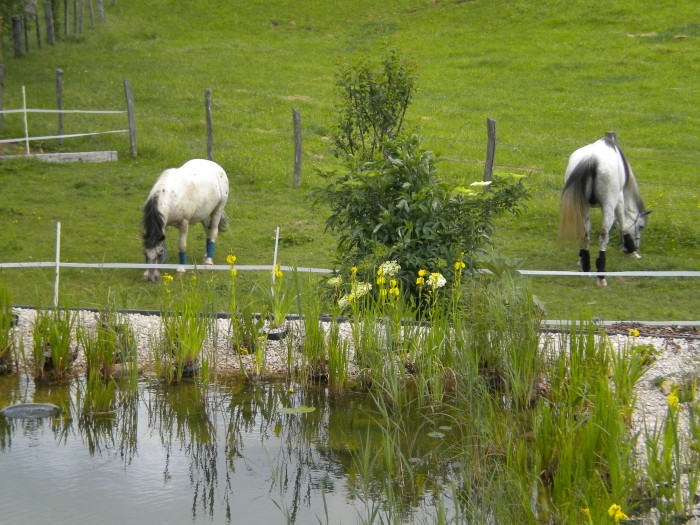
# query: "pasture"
{"points": [[554, 75]]}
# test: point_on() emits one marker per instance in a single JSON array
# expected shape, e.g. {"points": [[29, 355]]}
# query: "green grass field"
{"points": [[555, 75]]}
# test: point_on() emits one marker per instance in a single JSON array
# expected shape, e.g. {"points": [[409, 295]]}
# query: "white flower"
{"points": [[360, 288], [481, 183], [436, 280], [335, 281], [343, 302], [390, 268]]}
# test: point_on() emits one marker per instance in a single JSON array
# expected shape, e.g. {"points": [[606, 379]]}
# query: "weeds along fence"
{"points": [[60, 135], [57, 265]]}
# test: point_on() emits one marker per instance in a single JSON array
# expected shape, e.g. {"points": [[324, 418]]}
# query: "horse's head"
{"points": [[154, 255], [633, 240]]}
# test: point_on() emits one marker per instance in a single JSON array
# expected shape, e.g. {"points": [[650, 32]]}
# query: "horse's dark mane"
{"points": [[630, 181], [152, 223]]}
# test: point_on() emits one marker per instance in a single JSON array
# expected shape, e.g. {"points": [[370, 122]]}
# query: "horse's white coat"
{"points": [[196, 192], [605, 179]]}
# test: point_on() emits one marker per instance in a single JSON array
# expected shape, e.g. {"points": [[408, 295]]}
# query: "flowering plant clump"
{"points": [[390, 268], [436, 280]]}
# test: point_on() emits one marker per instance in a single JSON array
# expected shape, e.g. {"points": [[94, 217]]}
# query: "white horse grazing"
{"points": [[598, 175], [195, 192]]}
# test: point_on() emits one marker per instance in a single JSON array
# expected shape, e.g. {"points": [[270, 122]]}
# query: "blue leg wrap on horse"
{"points": [[600, 263], [629, 243], [210, 248], [183, 257], [585, 256]]}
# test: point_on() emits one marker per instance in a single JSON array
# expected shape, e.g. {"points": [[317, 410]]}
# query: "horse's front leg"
{"points": [[182, 246], [604, 239]]}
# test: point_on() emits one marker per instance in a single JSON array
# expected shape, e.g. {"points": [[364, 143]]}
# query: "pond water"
{"points": [[234, 452]]}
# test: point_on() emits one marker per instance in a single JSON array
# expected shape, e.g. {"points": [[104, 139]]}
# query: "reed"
{"points": [[54, 351], [7, 340], [186, 322]]}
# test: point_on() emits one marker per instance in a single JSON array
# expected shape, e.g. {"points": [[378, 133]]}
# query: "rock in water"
{"points": [[30, 411]]}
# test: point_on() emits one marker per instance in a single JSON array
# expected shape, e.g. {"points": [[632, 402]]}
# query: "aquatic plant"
{"points": [[7, 320], [54, 351]]}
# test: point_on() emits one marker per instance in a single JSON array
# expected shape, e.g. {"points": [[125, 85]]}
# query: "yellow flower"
{"points": [[393, 283], [459, 265], [381, 280], [420, 281], [673, 401], [383, 292], [234, 272], [615, 512], [633, 332], [353, 270], [380, 271], [394, 291], [613, 509], [421, 273], [231, 259], [278, 271]]}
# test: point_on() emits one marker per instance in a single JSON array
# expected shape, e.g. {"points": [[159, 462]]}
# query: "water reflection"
{"points": [[220, 453]]}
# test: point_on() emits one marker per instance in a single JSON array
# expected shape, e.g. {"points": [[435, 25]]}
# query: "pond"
{"points": [[233, 452]]}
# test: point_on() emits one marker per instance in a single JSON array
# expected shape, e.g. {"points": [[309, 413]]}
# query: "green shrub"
{"points": [[396, 208]]}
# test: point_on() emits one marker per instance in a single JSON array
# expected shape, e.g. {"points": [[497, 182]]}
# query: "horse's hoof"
{"points": [[181, 270], [207, 260], [637, 255], [602, 282]]}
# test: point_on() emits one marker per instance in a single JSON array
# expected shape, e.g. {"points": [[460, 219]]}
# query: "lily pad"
{"points": [[298, 410]]}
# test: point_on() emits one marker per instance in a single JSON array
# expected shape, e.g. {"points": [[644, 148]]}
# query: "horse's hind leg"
{"points": [[182, 247], [212, 231], [604, 239], [583, 254]]}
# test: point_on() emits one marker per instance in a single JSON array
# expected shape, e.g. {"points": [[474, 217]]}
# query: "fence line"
{"points": [[24, 111], [270, 267]]}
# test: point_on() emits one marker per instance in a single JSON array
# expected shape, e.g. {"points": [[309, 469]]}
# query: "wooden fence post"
{"points": [[38, 27], [100, 10], [59, 96], [296, 119], [75, 17], [17, 35], [65, 17], [210, 126], [48, 15], [490, 149], [92, 14], [2, 89], [132, 119], [25, 28]]}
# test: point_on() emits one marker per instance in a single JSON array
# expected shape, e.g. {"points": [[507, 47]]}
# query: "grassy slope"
{"points": [[555, 75]]}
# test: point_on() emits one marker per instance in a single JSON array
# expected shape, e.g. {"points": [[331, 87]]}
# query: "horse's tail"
{"points": [[572, 206], [153, 223]]}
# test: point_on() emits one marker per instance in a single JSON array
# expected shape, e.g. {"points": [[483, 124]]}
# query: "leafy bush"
{"points": [[372, 106], [396, 208]]}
